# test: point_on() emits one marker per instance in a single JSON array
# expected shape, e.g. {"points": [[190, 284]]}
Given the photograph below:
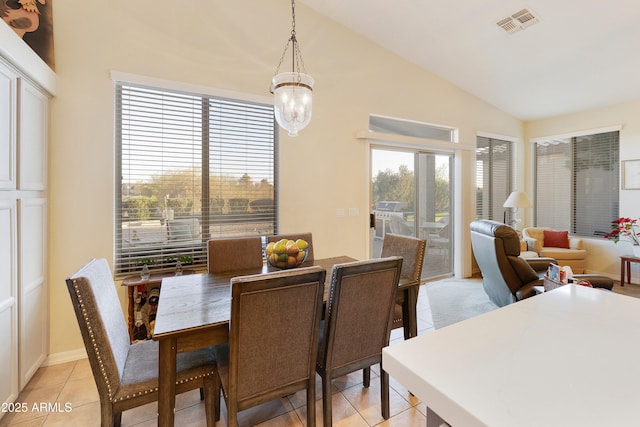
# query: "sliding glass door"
{"points": [[411, 193]]}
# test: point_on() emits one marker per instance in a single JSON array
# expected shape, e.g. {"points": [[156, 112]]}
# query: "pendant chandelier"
{"points": [[292, 90]]}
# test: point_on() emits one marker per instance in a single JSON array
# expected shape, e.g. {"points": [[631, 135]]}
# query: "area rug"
{"points": [[454, 300]]}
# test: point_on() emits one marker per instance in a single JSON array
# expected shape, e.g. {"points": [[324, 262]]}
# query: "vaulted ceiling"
{"points": [[575, 56]]}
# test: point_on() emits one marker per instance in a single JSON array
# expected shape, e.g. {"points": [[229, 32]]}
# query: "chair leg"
{"points": [[384, 393], [366, 376], [326, 400], [209, 393], [311, 402], [108, 418]]}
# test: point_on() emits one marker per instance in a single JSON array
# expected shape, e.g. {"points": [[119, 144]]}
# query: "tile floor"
{"points": [[70, 385]]}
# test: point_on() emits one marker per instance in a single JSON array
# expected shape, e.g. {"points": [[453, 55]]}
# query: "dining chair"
{"points": [[412, 251], [308, 237], [357, 324], [273, 339], [232, 254], [126, 375]]}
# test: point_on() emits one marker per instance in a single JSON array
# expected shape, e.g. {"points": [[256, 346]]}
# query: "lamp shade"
{"points": [[293, 100], [517, 199]]}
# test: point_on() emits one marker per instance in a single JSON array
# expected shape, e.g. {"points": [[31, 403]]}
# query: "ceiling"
{"points": [[578, 56]]}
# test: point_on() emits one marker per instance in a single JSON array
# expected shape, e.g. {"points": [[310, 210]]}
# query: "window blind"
{"points": [[191, 167], [494, 178], [577, 182]]}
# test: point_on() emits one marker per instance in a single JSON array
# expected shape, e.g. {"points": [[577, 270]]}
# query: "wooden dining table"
{"points": [[194, 312]]}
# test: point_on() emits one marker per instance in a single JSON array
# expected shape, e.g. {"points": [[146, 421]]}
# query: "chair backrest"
{"points": [[295, 236], [274, 332], [411, 250], [102, 324], [234, 254], [359, 312], [496, 248]]}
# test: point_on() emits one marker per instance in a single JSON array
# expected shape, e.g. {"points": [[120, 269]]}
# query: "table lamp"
{"points": [[517, 199]]}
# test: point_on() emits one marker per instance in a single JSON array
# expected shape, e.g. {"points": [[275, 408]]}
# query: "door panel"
{"points": [[411, 195]]}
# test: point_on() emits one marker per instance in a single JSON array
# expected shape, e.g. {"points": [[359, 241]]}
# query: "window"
{"points": [[494, 183], [191, 167], [577, 183]]}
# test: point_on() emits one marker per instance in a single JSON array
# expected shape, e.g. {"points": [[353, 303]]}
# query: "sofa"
{"points": [[550, 243]]}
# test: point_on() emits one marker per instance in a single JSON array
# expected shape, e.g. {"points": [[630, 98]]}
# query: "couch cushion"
{"points": [[563, 254], [556, 239]]}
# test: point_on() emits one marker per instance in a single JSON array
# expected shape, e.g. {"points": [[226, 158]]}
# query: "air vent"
{"points": [[518, 21]]}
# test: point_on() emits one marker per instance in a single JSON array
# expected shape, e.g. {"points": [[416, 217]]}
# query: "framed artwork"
{"points": [[32, 21], [631, 174]]}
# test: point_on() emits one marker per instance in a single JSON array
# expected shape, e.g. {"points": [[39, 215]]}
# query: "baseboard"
{"points": [[65, 356]]}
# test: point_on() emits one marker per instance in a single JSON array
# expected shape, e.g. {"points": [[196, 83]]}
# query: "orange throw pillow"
{"points": [[556, 239]]}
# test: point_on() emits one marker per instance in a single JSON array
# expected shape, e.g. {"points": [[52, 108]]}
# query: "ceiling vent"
{"points": [[518, 21]]}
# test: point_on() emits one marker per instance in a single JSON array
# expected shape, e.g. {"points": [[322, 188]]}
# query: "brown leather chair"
{"points": [[234, 254], [126, 374], [304, 236], [412, 251], [273, 337], [357, 324], [506, 277]]}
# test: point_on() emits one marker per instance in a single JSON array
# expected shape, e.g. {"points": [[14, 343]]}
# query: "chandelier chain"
{"points": [[298, 63]]}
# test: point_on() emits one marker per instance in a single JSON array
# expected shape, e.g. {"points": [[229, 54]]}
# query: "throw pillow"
{"points": [[556, 239]]}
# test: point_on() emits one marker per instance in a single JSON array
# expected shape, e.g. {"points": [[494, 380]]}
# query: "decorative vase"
{"points": [[145, 274], [178, 268], [636, 250]]}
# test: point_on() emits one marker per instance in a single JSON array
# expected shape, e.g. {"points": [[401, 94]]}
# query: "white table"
{"points": [[568, 357]]}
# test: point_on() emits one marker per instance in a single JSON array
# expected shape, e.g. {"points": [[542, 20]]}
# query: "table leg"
{"points": [[167, 382], [628, 279], [433, 419]]}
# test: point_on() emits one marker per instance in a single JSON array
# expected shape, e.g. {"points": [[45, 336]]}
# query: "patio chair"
{"points": [[126, 374], [357, 324]]}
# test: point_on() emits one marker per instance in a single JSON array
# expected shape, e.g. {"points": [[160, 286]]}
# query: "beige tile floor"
{"points": [[71, 386]]}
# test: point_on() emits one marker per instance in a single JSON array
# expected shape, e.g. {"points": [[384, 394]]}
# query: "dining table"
{"points": [[194, 312]]}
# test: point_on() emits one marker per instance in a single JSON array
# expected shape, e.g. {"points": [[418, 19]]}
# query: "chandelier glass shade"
{"points": [[292, 90], [293, 100]]}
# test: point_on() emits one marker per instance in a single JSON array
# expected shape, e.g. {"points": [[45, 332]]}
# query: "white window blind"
{"points": [[577, 182], [191, 167], [494, 182]]}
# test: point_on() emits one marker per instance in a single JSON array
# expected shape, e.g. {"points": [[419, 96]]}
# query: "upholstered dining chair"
{"points": [[234, 254], [357, 324], [273, 339], [126, 375], [412, 251], [308, 237]]}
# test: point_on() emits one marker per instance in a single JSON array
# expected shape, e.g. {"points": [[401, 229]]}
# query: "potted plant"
{"points": [[625, 229]]}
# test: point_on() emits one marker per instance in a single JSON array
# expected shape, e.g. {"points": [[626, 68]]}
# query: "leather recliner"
{"points": [[506, 277]]}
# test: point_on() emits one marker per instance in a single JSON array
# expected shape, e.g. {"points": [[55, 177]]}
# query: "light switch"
{"points": [[354, 211], [340, 212]]}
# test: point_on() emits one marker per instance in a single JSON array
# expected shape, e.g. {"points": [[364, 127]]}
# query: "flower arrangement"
{"points": [[624, 228]]}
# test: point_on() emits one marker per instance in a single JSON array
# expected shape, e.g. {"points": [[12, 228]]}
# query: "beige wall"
{"points": [[232, 46], [602, 254]]}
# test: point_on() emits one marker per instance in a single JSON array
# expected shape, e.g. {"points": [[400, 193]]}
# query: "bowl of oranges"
{"points": [[286, 253]]}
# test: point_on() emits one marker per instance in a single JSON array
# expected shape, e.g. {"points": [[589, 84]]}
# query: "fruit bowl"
{"points": [[285, 253]]}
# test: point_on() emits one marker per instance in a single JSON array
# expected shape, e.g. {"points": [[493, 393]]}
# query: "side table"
{"points": [[625, 268], [142, 298]]}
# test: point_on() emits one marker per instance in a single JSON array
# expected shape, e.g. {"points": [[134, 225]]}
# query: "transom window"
{"points": [[190, 167]]}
